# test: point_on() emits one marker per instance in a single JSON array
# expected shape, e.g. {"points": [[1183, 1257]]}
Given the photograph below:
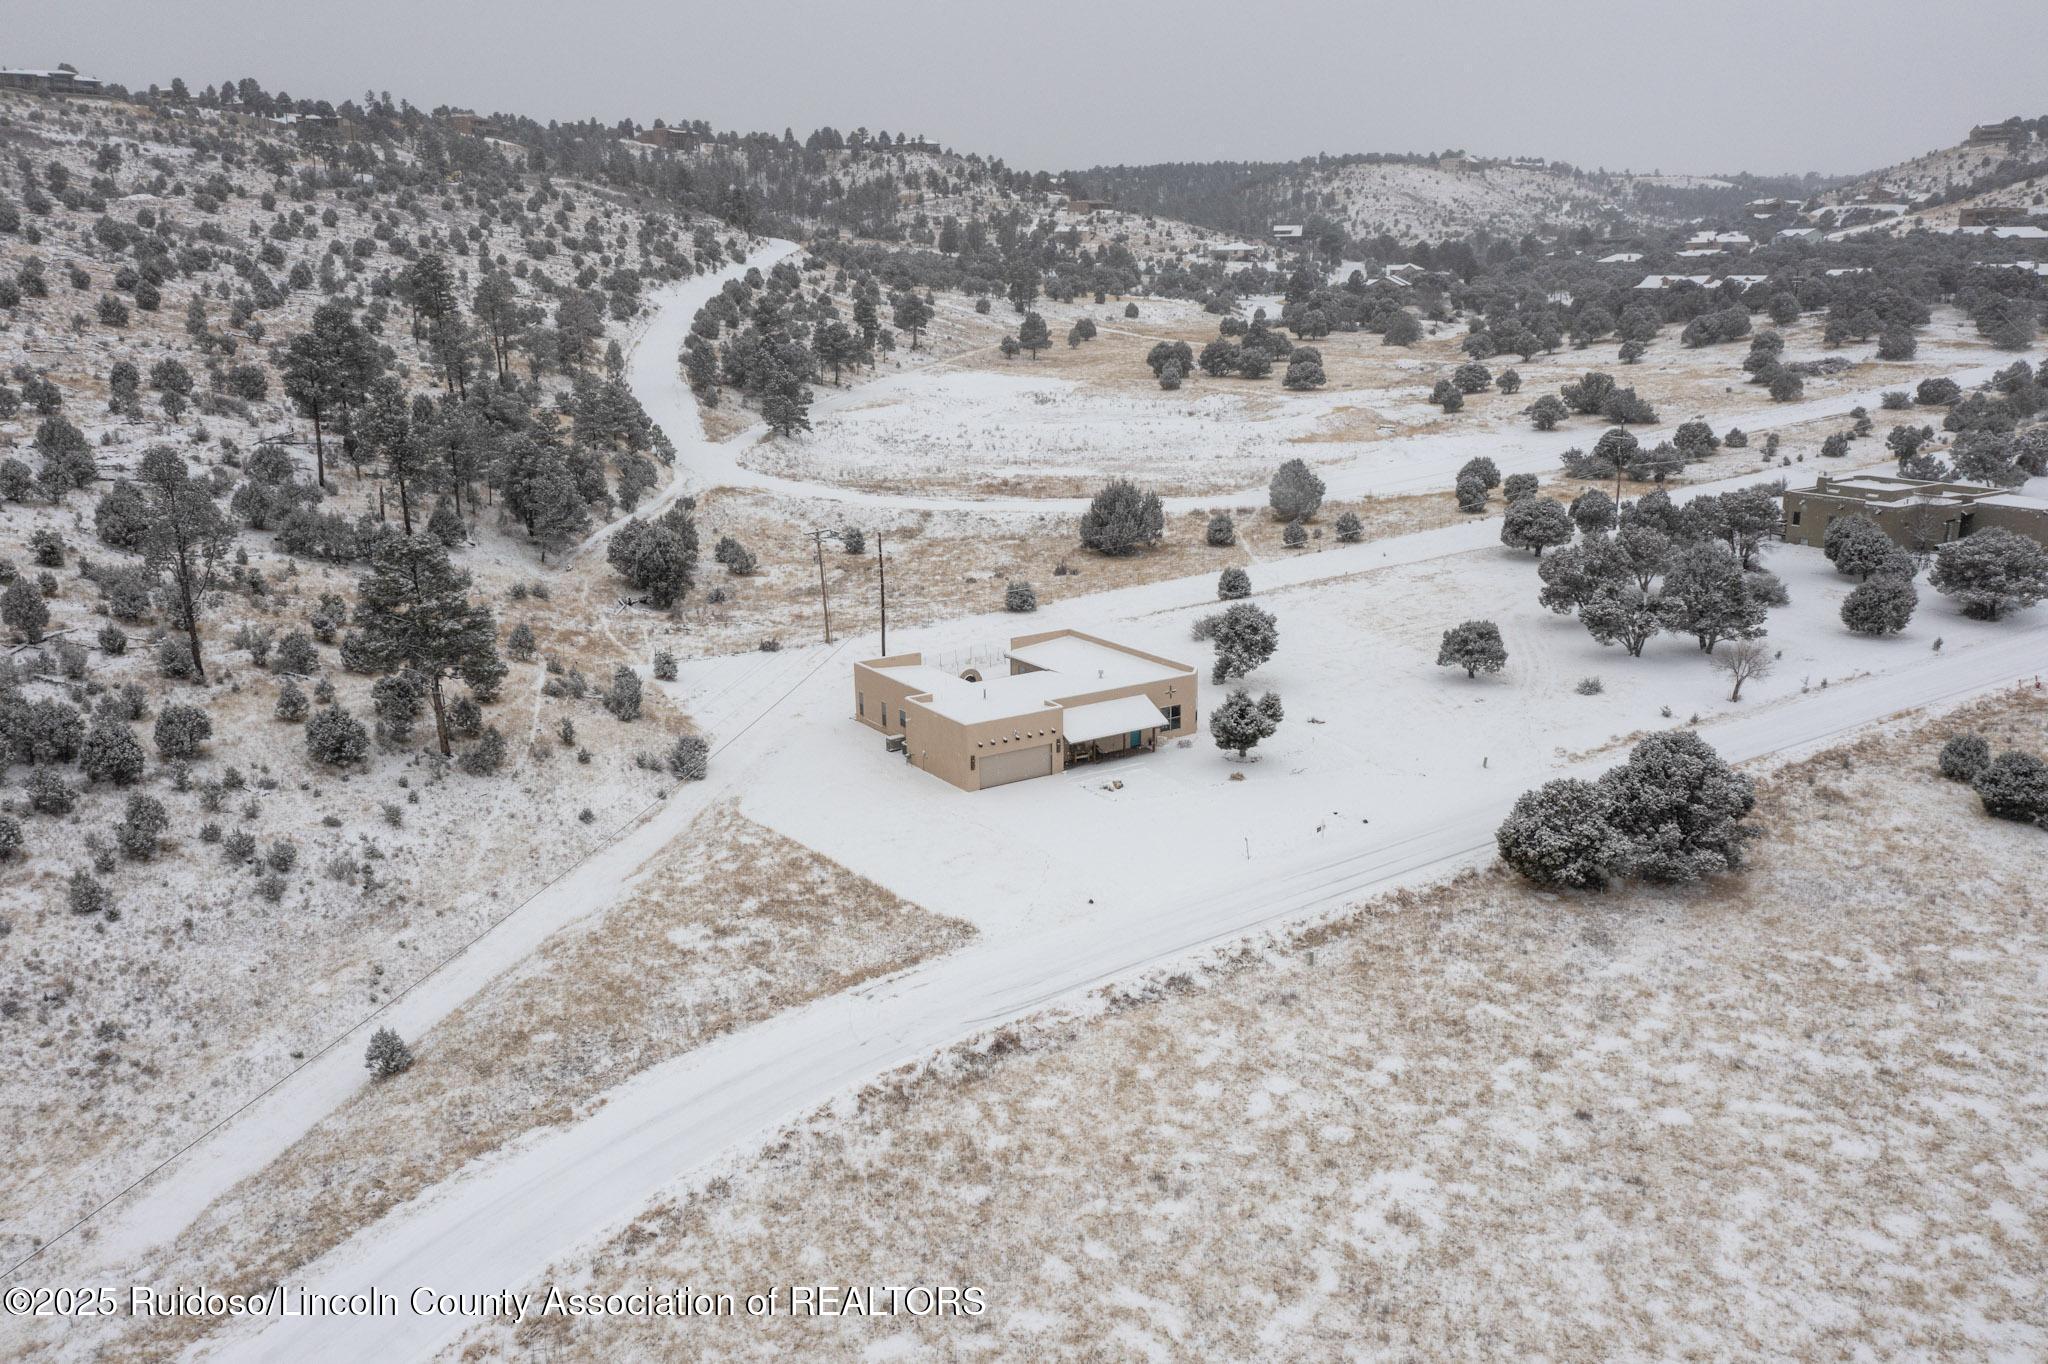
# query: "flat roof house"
{"points": [[1916, 513], [61, 80], [1067, 698]]}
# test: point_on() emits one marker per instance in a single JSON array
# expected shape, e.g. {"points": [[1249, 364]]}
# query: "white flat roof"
{"points": [[1100, 719], [1087, 666]]}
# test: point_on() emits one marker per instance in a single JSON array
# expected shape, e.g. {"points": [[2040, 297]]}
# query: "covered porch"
{"points": [[1104, 730]]}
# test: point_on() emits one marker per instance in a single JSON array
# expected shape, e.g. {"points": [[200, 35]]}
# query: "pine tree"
{"points": [[1032, 335], [1245, 637], [1122, 520], [1295, 493], [188, 538], [1991, 573], [414, 611], [1559, 835], [387, 1054], [1882, 606]]}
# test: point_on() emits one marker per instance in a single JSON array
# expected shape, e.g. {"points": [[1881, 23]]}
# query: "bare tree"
{"points": [[1742, 660]]}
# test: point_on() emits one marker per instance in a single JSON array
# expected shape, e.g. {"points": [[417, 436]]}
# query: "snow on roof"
{"points": [[1850, 270], [1100, 719], [1704, 251], [2028, 233], [1620, 258], [1098, 665], [1800, 232], [1666, 281], [1744, 280], [991, 699]]}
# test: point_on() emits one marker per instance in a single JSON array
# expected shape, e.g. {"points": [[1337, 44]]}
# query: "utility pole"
{"points": [[882, 570], [818, 542]]}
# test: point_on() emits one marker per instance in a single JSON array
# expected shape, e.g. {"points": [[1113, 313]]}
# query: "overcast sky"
{"points": [[1789, 85]]}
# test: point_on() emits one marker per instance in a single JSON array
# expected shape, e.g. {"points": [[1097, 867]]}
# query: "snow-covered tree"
{"points": [[1474, 646], [1296, 493], [1560, 835], [336, 738], [1681, 807], [1238, 725], [1991, 573], [1122, 519], [1708, 596], [1535, 523], [1245, 637], [1623, 614], [623, 699], [1233, 583], [414, 610], [180, 731], [387, 1054], [1882, 606]]}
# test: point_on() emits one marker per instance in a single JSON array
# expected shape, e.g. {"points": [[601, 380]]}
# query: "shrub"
{"points": [[181, 730], [49, 794], [292, 705], [664, 666], [1222, 532], [86, 895], [1122, 520], [1295, 536], [1019, 596], [387, 1054], [1882, 606], [623, 699], [141, 827], [1474, 646], [1233, 583], [112, 640], [1560, 834], [11, 841], [1350, 530], [2013, 785], [1964, 756], [486, 755], [112, 754], [689, 758], [336, 739]]}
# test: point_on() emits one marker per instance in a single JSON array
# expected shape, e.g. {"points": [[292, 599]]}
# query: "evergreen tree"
{"points": [[1032, 335], [1238, 725], [1536, 524], [1295, 493], [1559, 835], [1708, 596], [1245, 637], [188, 538], [2014, 785], [1882, 606], [1474, 646], [414, 611], [1991, 573], [1122, 520]]}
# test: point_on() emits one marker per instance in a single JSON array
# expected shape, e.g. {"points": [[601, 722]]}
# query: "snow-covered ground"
{"points": [[1180, 857]]}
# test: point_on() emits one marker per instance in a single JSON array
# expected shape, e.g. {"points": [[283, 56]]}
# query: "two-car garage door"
{"points": [[1000, 769]]}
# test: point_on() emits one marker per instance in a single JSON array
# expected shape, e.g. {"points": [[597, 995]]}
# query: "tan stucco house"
{"points": [[1914, 512], [1066, 698]]}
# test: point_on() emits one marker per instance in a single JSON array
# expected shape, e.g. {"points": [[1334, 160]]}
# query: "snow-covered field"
{"points": [[1795, 1116]]}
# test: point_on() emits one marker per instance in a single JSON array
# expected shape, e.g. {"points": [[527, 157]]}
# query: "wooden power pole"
{"points": [[825, 601], [882, 570]]}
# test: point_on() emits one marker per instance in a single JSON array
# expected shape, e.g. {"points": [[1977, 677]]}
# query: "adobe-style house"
{"points": [[1068, 698], [1914, 512], [60, 80]]}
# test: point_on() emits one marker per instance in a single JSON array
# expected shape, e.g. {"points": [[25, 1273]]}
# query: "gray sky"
{"points": [[1790, 85]]}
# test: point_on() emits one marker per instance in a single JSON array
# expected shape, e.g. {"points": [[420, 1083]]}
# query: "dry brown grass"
{"points": [[1794, 1113], [730, 924]]}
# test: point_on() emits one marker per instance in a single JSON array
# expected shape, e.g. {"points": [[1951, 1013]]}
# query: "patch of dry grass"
{"points": [[730, 924], [1794, 1113]]}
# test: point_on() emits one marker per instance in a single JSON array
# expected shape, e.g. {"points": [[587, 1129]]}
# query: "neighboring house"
{"points": [[1067, 698], [1844, 270], [1232, 251], [1798, 233], [1718, 241], [1088, 205], [1743, 281], [1620, 258], [680, 139], [1916, 513], [61, 80], [1286, 232], [1672, 281], [1991, 215]]}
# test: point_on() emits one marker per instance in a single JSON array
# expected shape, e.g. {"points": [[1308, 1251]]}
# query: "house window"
{"points": [[1172, 714], [860, 703], [1796, 514], [902, 718], [970, 762]]}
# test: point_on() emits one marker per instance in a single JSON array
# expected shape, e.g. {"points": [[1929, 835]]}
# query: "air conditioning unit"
{"points": [[895, 742]]}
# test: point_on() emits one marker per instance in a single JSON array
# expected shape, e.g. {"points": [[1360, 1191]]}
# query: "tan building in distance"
{"points": [[1916, 513], [1067, 698]]}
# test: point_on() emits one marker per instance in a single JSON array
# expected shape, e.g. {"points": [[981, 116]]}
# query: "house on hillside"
{"points": [[1915, 512], [59, 80], [1798, 234], [1718, 241], [1620, 258], [1060, 699], [676, 139], [1287, 234], [1232, 250], [1991, 215], [1997, 136], [1087, 206], [1673, 281]]}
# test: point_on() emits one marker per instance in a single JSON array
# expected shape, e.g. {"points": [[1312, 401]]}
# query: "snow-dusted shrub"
{"points": [[180, 731], [1559, 835], [87, 895], [11, 841], [292, 705], [2013, 785], [111, 753], [689, 758], [336, 738], [1222, 532], [1233, 583], [1020, 596], [295, 653], [623, 699], [142, 825], [173, 658], [486, 755], [50, 794], [1350, 530], [664, 666], [1964, 756], [387, 1054], [113, 641]]}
